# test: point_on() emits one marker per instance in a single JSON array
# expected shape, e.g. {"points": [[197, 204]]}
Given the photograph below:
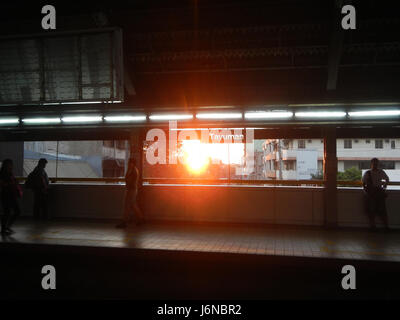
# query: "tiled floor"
{"points": [[347, 244]]}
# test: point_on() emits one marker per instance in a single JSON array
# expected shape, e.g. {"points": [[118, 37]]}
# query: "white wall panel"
{"points": [[280, 205]]}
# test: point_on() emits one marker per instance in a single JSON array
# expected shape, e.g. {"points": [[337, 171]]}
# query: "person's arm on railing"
{"points": [[386, 179], [364, 181]]}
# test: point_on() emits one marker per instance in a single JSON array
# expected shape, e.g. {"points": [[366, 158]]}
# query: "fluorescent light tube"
{"points": [[41, 120], [374, 113], [125, 118], [9, 121], [221, 116], [268, 115], [171, 116], [320, 114], [82, 119]]}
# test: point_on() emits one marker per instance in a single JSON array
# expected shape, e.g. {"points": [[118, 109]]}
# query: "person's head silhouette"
{"points": [[7, 166], [374, 163], [42, 163]]}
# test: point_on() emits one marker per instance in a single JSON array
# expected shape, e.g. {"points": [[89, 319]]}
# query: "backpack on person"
{"points": [[30, 181]]}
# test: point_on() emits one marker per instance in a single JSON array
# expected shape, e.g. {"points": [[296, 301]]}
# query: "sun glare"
{"points": [[197, 156]]}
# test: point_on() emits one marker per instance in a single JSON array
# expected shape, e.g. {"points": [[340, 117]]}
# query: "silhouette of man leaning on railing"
{"points": [[375, 182]]}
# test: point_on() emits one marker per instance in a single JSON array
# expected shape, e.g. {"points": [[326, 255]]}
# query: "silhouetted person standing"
{"points": [[39, 183], [10, 193], [131, 191], [375, 181]]}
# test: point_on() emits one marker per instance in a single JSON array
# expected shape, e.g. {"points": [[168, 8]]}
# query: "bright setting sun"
{"points": [[197, 156]]}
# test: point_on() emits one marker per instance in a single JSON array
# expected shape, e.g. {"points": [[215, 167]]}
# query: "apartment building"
{"points": [[281, 155]]}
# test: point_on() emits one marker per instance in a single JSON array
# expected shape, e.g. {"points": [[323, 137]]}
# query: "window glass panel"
{"points": [[213, 159], [283, 161], [34, 150], [77, 159], [273, 159], [354, 162], [378, 144], [347, 144]]}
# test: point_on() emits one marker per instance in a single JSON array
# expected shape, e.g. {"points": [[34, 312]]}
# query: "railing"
{"points": [[190, 181], [359, 183], [235, 182]]}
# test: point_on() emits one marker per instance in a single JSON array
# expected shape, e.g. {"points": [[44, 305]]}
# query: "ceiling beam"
{"points": [[335, 47]]}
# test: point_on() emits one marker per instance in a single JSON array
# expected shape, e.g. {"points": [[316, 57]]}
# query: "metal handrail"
{"points": [[211, 181]]}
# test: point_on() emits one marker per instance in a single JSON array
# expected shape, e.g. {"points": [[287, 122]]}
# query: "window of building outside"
{"points": [[378, 144], [109, 144], [301, 144], [393, 144], [348, 144], [121, 144], [289, 165]]}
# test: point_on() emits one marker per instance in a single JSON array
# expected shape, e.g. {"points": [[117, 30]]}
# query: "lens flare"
{"points": [[195, 156], [198, 156]]}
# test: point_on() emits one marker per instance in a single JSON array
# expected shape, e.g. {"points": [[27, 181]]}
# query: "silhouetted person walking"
{"points": [[10, 193], [131, 209], [38, 181], [375, 181]]}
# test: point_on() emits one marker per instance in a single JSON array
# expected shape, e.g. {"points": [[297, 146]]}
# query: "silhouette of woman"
{"points": [[9, 195]]}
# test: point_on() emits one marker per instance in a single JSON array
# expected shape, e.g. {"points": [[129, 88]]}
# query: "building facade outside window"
{"points": [[352, 162]]}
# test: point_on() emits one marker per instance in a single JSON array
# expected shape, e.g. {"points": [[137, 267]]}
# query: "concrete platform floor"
{"points": [[169, 261], [262, 240]]}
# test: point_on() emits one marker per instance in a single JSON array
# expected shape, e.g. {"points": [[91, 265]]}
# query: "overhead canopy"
{"points": [[65, 67]]}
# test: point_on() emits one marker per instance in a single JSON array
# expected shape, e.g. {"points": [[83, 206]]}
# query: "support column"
{"points": [[335, 47], [330, 174]]}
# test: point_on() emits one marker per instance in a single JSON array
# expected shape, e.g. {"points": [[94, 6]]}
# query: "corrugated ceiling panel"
{"points": [[77, 67]]}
